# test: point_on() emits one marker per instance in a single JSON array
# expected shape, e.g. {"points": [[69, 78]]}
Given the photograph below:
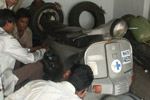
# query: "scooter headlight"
{"points": [[118, 28]]}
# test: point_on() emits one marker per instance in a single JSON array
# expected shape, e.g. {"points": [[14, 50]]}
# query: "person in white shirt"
{"points": [[11, 50], [9, 4], [72, 89]]}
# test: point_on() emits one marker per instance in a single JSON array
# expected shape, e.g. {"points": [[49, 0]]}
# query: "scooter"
{"points": [[108, 54]]}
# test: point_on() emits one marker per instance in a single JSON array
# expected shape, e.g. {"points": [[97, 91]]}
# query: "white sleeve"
{"points": [[21, 93], [13, 47], [9, 80]]}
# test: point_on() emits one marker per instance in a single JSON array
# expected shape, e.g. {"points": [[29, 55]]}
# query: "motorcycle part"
{"points": [[115, 28], [67, 35], [68, 55], [142, 33], [52, 13], [141, 51], [52, 67], [118, 28], [110, 61], [95, 10], [127, 96]]}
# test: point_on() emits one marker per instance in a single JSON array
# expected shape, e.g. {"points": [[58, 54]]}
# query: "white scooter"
{"points": [[110, 57]]}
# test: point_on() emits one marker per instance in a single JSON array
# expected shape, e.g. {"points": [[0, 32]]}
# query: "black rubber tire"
{"points": [[35, 20], [95, 10], [127, 16]]}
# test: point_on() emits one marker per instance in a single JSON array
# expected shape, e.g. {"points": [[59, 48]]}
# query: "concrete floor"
{"points": [[141, 84]]}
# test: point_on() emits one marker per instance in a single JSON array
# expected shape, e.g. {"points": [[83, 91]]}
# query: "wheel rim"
{"points": [[53, 16]]}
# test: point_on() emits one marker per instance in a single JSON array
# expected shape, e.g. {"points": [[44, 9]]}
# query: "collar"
{"points": [[2, 31], [15, 29], [69, 86]]}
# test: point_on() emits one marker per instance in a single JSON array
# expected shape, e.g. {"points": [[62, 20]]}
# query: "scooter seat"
{"points": [[57, 29]]}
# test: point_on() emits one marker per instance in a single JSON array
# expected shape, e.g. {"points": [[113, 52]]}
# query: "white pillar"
{"points": [[146, 9]]}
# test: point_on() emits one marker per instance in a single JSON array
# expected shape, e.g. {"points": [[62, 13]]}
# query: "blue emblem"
{"points": [[118, 65]]}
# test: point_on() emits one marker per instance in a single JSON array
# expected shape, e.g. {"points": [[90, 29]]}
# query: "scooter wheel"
{"points": [[49, 9]]}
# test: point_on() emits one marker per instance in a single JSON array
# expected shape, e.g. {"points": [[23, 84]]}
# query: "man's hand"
{"points": [[58, 6], [33, 49], [47, 48], [81, 93]]}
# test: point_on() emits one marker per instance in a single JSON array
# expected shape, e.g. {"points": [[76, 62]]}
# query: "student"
{"points": [[21, 30], [36, 3], [9, 4], [72, 89], [11, 50]]}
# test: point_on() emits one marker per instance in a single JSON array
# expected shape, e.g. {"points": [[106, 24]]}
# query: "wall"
{"points": [[107, 5], [135, 7], [113, 8]]}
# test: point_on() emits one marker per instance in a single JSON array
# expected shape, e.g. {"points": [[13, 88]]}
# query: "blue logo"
{"points": [[118, 65]]}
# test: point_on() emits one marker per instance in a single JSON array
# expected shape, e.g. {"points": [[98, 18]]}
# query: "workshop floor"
{"points": [[141, 84]]}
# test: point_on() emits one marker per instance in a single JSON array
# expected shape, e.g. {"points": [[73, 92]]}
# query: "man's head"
{"points": [[81, 76], [10, 3], [38, 3], [22, 18], [53, 67], [7, 20]]}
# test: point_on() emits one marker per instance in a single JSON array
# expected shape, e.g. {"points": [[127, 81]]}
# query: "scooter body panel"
{"points": [[111, 62]]}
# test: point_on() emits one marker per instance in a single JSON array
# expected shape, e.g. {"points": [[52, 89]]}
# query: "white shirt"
{"points": [[45, 90], [10, 51], [3, 5]]}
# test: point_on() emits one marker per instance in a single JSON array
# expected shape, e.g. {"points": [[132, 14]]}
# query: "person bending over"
{"points": [[72, 89]]}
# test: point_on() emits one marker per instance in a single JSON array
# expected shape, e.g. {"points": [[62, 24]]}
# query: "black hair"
{"points": [[52, 67], [22, 13], [81, 76], [6, 15]]}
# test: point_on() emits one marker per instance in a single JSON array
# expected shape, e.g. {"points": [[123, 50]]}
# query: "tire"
{"points": [[36, 18], [96, 11], [127, 16]]}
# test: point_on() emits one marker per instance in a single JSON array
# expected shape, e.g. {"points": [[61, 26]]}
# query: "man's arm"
{"points": [[13, 47], [15, 8]]}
